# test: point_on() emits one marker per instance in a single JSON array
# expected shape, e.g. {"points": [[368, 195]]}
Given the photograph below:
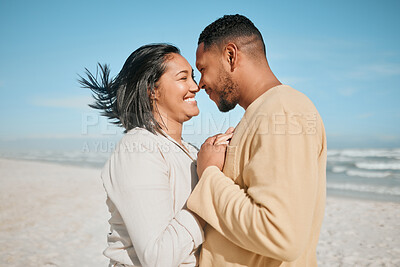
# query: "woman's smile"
{"points": [[177, 90], [190, 100]]}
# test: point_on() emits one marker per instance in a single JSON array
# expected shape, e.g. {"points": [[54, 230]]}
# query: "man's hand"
{"points": [[212, 152]]}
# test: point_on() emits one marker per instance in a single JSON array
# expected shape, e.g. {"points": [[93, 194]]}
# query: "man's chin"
{"points": [[225, 106]]}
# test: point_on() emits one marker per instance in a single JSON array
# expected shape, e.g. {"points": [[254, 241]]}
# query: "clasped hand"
{"points": [[212, 152]]}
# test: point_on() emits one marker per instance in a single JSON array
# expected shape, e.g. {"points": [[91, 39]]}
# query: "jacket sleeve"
{"points": [[273, 215], [138, 185]]}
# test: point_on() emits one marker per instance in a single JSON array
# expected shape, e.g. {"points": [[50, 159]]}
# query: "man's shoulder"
{"points": [[285, 99]]}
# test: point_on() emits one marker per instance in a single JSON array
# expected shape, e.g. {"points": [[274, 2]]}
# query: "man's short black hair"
{"points": [[228, 28]]}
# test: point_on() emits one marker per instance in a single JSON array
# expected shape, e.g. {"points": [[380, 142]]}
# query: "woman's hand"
{"points": [[212, 152], [224, 139]]}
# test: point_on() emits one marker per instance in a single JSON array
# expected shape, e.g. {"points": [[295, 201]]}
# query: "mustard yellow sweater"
{"points": [[267, 205]]}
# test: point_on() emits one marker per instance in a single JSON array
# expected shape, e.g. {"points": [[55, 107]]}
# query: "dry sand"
{"points": [[53, 215], [360, 233]]}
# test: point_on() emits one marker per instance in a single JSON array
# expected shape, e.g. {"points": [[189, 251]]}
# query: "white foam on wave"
{"points": [[361, 153], [368, 174], [332, 152], [340, 159], [378, 165], [338, 169], [395, 191], [75, 157]]}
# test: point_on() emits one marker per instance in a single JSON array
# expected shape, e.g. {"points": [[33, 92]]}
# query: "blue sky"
{"points": [[344, 55]]}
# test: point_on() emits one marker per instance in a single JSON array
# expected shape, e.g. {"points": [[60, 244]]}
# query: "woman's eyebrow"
{"points": [[185, 71]]}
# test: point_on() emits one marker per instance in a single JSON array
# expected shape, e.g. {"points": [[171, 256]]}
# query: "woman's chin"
{"points": [[191, 115], [194, 111]]}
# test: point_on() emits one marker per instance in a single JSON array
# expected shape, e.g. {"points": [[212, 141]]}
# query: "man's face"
{"points": [[215, 79]]}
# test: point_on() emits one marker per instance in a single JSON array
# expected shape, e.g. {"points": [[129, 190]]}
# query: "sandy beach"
{"points": [[51, 215], [54, 215]]}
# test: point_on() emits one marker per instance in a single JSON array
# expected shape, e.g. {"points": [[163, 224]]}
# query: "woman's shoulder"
{"points": [[139, 132], [140, 137]]}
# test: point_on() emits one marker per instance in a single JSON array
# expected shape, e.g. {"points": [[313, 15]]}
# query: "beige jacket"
{"points": [[266, 207], [148, 180]]}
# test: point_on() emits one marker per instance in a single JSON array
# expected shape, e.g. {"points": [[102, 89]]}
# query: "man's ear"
{"points": [[231, 55]]}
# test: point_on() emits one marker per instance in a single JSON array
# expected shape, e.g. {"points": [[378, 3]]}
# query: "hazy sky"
{"points": [[344, 55]]}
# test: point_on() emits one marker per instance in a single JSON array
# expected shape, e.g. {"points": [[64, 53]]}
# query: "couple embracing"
{"points": [[253, 196]]}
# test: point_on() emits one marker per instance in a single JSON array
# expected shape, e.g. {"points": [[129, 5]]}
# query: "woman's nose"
{"points": [[194, 87]]}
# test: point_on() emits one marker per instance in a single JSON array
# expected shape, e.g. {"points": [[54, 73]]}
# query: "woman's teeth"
{"points": [[190, 99]]}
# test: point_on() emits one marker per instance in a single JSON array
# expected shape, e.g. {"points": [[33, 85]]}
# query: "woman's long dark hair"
{"points": [[125, 99]]}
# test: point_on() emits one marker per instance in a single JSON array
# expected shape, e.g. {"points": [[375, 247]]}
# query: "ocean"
{"points": [[371, 174], [364, 173]]}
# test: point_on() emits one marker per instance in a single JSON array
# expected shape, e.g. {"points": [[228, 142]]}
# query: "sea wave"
{"points": [[361, 153], [338, 169], [395, 191], [368, 174], [340, 159], [378, 165], [78, 158]]}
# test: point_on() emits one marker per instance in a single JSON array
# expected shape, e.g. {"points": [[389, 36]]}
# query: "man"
{"points": [[263, 197]]}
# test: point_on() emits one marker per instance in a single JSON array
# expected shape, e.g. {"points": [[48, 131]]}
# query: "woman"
{"points": [[152, 172]]}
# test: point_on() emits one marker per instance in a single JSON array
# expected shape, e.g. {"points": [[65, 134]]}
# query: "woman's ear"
{"points": [[230, 55], [152, 98], [156, 94], [152, 95]]}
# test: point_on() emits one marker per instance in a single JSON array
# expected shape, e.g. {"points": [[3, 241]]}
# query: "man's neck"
{"points": [[255, 85]]}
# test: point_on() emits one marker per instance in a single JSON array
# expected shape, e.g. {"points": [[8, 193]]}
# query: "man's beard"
{"points": [[229, 95]]}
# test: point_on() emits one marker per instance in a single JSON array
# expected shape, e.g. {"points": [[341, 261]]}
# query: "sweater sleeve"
{"points": [[139, 187], [273, 215]]}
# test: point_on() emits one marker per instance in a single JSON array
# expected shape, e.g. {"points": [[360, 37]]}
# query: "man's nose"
{"points": [[201, 83]]}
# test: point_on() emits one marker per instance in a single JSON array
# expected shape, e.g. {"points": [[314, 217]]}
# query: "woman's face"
{"points": [[176, 90]]}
